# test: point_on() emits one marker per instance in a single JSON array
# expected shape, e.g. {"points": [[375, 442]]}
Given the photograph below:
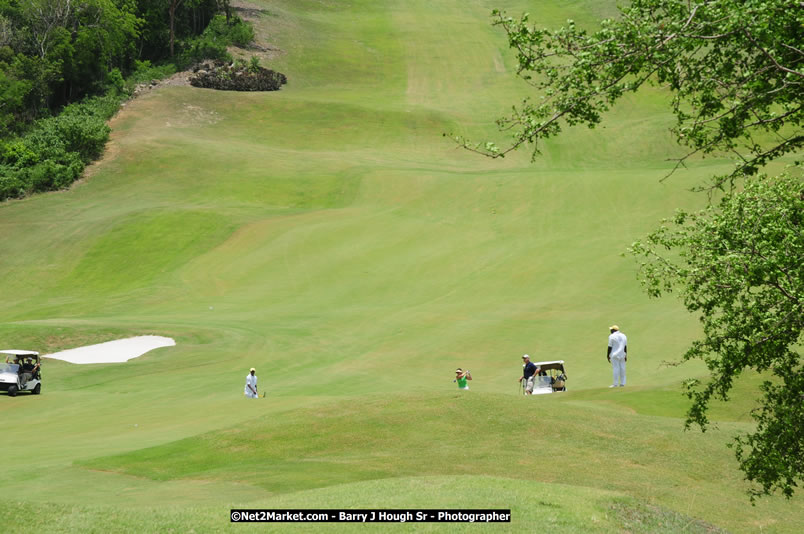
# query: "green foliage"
{"points": [[739, 265], [115, 81], [236, 31], [241, 33], [254, 64], [82, 41], [40, 76], [55, 151], [12, 97], [201, 48], [215, 39], [190, 19]]}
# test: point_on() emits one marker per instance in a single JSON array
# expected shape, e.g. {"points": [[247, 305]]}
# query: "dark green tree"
{"points": [[64, 49], [735, 69]]}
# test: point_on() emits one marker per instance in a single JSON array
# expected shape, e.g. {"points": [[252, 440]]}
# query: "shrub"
{"points": [[236, 31], [50, 175], [103, 107], [53, 153], [115, 82], [18, 154], [240, 33], [212, 43], [83, 137], [218, 27], [10, 184], [201, 48]]}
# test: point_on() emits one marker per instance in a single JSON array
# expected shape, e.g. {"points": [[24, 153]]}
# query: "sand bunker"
{"points": [[118, 351]]}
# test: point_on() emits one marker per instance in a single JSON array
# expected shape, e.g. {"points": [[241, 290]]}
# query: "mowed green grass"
{"points": [[328, 235]]}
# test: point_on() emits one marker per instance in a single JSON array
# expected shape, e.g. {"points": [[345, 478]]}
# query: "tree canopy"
{"points": [[735, 70]]}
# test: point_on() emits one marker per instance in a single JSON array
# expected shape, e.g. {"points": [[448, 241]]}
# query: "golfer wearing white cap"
{"points": [[529, 371], [617, 355], [251, 384]]}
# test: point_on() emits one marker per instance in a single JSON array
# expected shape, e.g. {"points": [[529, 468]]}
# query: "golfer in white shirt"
{"points": [[251, 384], [617, 355]]}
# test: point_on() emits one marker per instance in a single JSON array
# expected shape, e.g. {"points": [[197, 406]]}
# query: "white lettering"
{"points": [[397, 518], [344, 516]]}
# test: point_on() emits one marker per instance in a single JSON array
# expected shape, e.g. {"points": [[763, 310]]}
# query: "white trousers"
{"points": [[618, 370]]}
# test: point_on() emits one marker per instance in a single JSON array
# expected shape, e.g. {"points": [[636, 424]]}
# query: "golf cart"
{"points": [[551, 378], [14, 378]]}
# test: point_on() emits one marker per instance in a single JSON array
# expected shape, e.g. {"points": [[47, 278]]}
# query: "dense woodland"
{"points": [[65, 66]]}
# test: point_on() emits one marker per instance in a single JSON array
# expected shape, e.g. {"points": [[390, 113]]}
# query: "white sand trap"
{"points": [[121, 350]]}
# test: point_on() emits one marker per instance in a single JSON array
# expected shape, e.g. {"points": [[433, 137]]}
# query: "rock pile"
{"points": [[236, 77]]}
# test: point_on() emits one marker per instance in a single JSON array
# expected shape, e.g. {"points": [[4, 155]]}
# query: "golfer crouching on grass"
{"points": [[251, 384], [529, 372], [461, 377]]}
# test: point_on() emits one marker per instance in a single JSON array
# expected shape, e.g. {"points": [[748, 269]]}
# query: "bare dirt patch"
{"points": [[261, 47], [191, 115]]}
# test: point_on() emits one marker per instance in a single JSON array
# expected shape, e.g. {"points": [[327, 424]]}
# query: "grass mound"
{"points": [[546, 440]]}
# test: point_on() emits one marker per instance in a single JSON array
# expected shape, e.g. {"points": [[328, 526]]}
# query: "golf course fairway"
{"points": [[330, 236]]}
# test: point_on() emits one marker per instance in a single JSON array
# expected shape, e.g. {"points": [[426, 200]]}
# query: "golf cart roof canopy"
{"points": [[14, 352], [558, 365]]}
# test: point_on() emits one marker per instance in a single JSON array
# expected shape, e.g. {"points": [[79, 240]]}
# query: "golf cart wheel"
{"points": [[12, 391], [37, 390]]}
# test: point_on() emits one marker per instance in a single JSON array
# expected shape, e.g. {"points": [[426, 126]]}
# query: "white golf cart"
{"points": [[13, 375], [551, 378]]}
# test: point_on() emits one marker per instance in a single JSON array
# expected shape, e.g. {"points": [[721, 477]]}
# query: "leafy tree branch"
{"points": [[734, 69]]}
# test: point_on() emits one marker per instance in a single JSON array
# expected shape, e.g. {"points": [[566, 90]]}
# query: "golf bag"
{"points": [[558, 382]]}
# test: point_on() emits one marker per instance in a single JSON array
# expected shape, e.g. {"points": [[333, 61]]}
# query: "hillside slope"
{"points": [[328, 235]]}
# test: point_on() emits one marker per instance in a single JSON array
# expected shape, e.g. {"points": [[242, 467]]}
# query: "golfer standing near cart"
{"points": [[529, 372], [617, 355], [251, 384]]}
